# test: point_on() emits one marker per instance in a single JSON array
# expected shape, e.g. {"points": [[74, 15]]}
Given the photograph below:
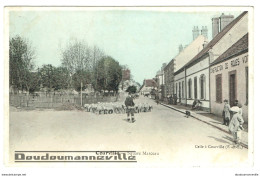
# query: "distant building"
{"points": [[126, 74], [160, 81], [169, 79], [148, 86]]}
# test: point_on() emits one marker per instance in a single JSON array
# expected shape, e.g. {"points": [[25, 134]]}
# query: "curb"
{"points": [[221, 129]]}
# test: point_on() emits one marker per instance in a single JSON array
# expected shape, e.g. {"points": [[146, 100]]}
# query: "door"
{"points": [[232, 88]]}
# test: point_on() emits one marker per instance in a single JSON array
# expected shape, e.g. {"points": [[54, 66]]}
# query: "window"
{"points": [[182, 89], [195, 87], [246, 86], [202, 86], [179, 89], [176, 90], [219, 88], [189, 87]]}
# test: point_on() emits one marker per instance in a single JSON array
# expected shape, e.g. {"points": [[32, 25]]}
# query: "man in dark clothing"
{"points": [[129, 103], [157, 99]]}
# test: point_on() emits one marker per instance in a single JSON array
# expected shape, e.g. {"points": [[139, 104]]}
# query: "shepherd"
{"points": [[130, 107]]}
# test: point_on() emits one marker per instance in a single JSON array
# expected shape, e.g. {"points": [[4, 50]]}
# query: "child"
{"points": [[235, 126], [226, 113]]}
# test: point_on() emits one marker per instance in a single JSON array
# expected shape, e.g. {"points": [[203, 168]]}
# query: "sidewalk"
{"points": [[209, 119]]}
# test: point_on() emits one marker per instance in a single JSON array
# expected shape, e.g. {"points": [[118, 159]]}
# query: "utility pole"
{"points": [[81, 93]]}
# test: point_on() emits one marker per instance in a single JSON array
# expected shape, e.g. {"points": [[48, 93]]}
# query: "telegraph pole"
{"points": [[81, 93]]}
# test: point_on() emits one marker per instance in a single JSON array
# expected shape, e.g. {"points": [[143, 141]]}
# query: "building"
{"points": [[169, 79], [184, 56], [148, 86], [180, 60], [160, 81], [229, 78], [193, 79], [126, 74], [189, 52]]}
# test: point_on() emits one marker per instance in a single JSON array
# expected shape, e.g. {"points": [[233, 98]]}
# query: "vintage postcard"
{"points": [[129, 86]]}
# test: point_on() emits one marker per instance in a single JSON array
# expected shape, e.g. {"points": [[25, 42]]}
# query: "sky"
{"points": [[141, 39]]}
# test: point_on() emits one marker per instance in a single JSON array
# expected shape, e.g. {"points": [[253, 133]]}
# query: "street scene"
{"points": [[149, 88], [172, 138]]}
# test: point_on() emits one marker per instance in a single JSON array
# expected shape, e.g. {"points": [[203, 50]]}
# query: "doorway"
{"points": [[232, 87]]}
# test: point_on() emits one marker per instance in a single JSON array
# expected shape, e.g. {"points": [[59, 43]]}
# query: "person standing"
{"points": [[157, 99], [226, 113], [129, 103], [235, 125]]}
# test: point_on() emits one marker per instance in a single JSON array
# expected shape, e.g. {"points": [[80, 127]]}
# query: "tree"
{"points": [[79, 58], [61, 78], [108, 75], [32, 81], [131, 89], [80, 77], [48, 77], [21, 62]]}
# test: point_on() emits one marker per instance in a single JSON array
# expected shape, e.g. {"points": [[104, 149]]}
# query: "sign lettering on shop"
{"points": [[233, 63]]}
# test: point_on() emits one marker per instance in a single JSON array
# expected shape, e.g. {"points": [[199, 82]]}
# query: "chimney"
{"points": [[215, 27], [195, 32], [225, 20], [180, 48], [204, 31]]}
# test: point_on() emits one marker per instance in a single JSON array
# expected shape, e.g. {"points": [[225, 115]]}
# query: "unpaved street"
{"points": [[173, 139]]}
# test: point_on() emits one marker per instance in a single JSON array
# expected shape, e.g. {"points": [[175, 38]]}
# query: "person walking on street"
{"points": [[235, 126], [129, 103], [226, 113], [157, 99]]}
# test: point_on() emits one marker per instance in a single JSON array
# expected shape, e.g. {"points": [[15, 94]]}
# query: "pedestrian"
{"points": [[130, 107], [226, 113], [157, 99], [235, 125], [240, 109]]}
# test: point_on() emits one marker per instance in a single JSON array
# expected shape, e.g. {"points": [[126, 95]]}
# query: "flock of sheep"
{"points": [[115, 107]]}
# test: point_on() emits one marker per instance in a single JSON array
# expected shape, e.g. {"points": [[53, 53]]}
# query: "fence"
{"points": [[54, 101]]}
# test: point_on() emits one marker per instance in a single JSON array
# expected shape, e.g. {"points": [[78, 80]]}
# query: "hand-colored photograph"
{"points": [[129, 86]]}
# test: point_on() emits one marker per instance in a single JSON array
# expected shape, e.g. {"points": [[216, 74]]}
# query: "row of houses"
{"points": [[211, 71]]}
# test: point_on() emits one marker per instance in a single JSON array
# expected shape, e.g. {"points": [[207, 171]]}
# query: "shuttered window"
{"points": [[246, 85], [195, 88], [219, 88], [202, 86], [182, 89], [190, 87]]}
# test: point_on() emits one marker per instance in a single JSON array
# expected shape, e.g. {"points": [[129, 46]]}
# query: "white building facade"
{"points": [[192, 81], [229, 78]]}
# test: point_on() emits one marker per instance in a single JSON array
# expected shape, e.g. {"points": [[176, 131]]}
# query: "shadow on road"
{"points": [[221, 140], [128, 120], [216, 122], [229, 138]]}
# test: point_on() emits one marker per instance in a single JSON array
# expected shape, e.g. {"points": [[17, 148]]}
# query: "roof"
{"points": [[150, 83], [215, 39], [240, 46]]}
